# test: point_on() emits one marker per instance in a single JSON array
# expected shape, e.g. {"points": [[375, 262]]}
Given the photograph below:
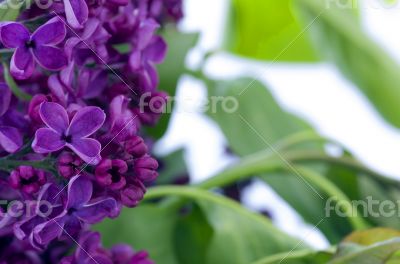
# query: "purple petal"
{"points": [[50, 230], [5, 98], [146, 33], [87, 149], [51, 193], [51, 33], [96, 86], [57, 89], [10, 139], [157, 50], [90, 28], [22, 63], [23, 228], [70, 45], [50, 58], [14, 35], [90, 242], [150, 76], [135, 60], [122, 253], [46, 141], [67, 74], [87, 121], [76, 12], [95, 212], [79, 192], [54, 116], [72, 226]]}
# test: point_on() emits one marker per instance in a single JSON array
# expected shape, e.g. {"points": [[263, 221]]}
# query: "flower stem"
{"points": [[267, 161], [9, 165], [203, 195], [13, 86]]}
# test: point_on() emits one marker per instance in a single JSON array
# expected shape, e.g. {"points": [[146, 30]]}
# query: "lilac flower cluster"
{"points": [[72, 151]]}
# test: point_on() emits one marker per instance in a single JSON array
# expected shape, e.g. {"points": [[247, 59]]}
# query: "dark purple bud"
{"points": [[110, 173], [145, 169], [133, 194], [136, 147], [27, 179], [34, 105], [151, 107], [141, 257], [69, 165]]}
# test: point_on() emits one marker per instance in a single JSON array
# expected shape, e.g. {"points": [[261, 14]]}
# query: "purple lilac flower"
{"points": [[136, 147], [60, 132], [91, 251], [83, 75], [174, 8], [69, 165], [145, 169], [79, 209], [39, 47], [149, 50], [34, 107], [10, 137], [77, 12], [27, 179], [123, 122], [16, 252], [151, 107], [93, 39], [49, 204], [111, 173], [125, 186]]}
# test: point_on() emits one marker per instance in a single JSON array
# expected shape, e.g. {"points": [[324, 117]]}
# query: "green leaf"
{"points": [[239, 236], [378, 253], [193, 234], [257, 125], [378, 245], [382, 192], [297, 257], [172, 69], [372, 236], [266, 30], [240, 239], [339, 38], [146, 227], [258, 121], [218, 230], [10, 9]]}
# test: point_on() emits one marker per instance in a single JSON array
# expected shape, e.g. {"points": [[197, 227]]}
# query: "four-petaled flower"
{"points": [[78, 210], [39, 47], [60, 132]]}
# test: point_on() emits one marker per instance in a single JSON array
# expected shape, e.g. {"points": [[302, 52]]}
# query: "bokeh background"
{"points": [[317, 92]]}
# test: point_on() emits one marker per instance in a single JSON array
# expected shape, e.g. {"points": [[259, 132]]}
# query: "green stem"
{"points": [[13, 86], [267, 161], [306, 136], [348, 162], [334, 193], [250, 166], [9, 165], [292, 255], [203, 195]]}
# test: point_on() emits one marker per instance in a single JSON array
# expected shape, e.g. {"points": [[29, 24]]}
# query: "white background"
{"points": [[316, 92]]}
